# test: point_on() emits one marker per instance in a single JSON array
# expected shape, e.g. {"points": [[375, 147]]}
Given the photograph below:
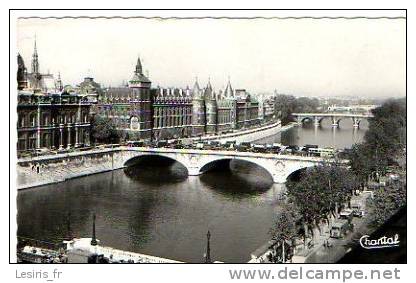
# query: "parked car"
{"points": [[346, 214], [358, 207], [340, 228]]}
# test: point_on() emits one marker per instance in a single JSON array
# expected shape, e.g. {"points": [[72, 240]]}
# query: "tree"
{"points": [[306, 105], [387, 202], [285, 104], [320, 193], [284, 234], [103, 130], [362, 162], [384, 141], [288, 104]]}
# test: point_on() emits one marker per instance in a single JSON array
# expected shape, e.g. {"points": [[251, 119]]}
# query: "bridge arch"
{"points": [[307, 118], [197, 163], [221, 161], [136, 159], [290, 169]]}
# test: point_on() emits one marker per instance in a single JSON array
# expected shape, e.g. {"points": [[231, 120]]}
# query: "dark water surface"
{"points": [[155, 208]]}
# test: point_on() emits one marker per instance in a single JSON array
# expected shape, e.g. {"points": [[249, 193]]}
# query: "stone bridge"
{"points": [[199, 161], [335, 118], [49, 169]]}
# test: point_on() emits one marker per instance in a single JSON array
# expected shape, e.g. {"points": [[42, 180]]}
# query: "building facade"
{"points": [[142, 112], [130, 107], [48, 116], [54, 116]]}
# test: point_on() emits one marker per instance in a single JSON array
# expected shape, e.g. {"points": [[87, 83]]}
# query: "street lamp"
{"points": [[208, 253]]}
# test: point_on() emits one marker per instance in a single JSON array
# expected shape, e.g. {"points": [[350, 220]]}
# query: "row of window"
{"points": [[31, 120]]}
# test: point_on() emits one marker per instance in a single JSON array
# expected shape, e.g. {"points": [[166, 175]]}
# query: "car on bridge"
{"points": [[292, 148], [215, 145], [176, 144], [135, 143], [229, 145], [162, 143], [260, 148], [244, 146], [274, 148]]}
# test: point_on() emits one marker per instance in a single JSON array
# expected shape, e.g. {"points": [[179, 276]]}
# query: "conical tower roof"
{"points": [[228, 90]]}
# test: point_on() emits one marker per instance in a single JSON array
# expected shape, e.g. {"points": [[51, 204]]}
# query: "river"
{"points": [[155, 208]]}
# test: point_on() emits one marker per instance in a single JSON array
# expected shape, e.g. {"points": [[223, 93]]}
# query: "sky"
{"points": [[304, 57]]}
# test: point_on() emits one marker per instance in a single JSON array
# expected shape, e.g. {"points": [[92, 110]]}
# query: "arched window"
{"points": [[45, 121], [22, 119], [32, 119]]}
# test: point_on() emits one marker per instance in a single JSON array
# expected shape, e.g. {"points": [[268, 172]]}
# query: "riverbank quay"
{"points": [[248, 135], [318, 251], [86, 250], [54, 168]]}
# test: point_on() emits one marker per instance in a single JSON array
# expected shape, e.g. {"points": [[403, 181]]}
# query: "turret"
{"points": [[58, 84], [228, 93], [211, 109], [139, 80], [198, 110]]}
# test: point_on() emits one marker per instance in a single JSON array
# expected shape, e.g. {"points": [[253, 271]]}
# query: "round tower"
{"points": [[198, 110], [211, 109]]}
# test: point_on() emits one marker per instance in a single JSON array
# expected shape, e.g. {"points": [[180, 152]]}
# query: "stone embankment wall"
{"points": [[41, 171], [249, 135]]}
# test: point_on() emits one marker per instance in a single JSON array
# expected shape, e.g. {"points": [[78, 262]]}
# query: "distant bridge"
{"points": [[352, 108], [335, 118]]}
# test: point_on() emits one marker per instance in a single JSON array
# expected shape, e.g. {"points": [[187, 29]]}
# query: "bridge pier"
{"points": [[335, 122], [299, 121], [194, 171], [356, 122], [317, 121], [279, 179]]}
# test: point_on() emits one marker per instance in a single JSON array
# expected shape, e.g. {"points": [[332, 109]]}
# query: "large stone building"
{"points": [[130, 107], [48, 116], [142, 112], [54, 116]]}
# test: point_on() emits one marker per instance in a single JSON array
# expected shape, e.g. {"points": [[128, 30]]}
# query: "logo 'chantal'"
{"points": [[382, 242]]}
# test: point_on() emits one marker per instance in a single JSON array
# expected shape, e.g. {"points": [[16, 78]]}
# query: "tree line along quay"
{"points": [[314, 201]]}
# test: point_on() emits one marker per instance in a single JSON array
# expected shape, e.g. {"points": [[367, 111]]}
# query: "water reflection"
{"points": [[155, 170], [242, 180]]}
